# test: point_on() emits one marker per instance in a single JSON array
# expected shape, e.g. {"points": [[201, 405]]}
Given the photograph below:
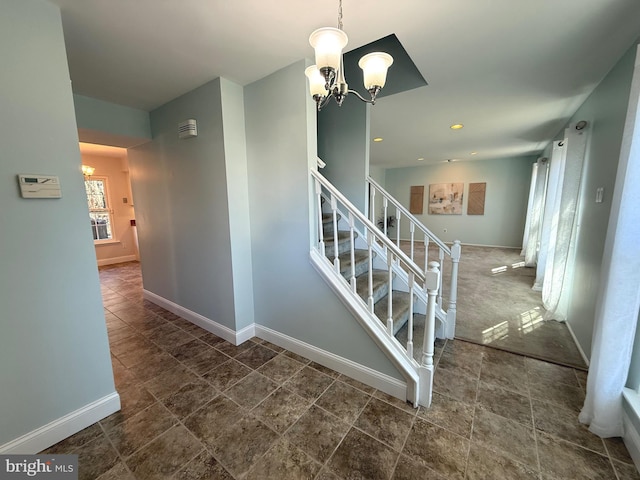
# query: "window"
{"points": [[99, 208]]}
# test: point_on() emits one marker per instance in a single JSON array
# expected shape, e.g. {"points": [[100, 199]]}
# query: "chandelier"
{"points": [[326, 77], [87, 171]]}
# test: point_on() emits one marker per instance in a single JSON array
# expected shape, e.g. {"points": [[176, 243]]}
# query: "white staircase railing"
{"points": [[386, 270], [379, 198]]}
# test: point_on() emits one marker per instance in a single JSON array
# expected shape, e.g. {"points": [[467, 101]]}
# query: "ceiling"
{"points": [[511, 71]]}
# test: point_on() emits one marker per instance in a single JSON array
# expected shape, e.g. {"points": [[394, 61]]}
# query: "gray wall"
{"points": [[235, 147], [290, 297], [180, 189], [507, 193], [54, 352], [605, 110], [108, 123], [343, 144]]}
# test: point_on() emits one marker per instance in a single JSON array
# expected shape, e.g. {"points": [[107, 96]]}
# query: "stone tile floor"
{"points": [[197, 407]]}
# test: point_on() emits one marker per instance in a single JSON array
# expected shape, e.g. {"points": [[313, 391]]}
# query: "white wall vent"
{"points": [[188, 129]]}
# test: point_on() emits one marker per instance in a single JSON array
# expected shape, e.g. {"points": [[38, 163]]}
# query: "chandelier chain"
{"points": [[340, 15]]}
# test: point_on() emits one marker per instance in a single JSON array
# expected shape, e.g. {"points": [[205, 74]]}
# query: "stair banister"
{"points": [[370, 227], [408, 214], [410, 321], [426, 369], [423, 285], [453, 294], [454, 252]]}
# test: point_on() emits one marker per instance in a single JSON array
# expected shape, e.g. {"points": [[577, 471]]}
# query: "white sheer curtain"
{"points": [[556, 171], [527, 223], [533, 226], [619, 299], [558, 268]]}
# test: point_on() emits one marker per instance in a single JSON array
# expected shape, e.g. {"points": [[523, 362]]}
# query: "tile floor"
{"points": [[196, 407]]}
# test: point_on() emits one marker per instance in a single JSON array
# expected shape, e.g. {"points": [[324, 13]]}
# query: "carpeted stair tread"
{"points": [[327, 222], [361, 258], [380, 285], [400, 309], [344, 242]]}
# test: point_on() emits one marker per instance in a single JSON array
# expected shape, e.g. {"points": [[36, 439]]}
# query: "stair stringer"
{"points": [[406, 365]]}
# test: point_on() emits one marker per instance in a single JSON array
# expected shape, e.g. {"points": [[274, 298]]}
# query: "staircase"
{"points": [[380, 278], [393, 298]]}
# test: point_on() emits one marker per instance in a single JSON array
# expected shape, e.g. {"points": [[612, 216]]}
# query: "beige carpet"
{"points": [[498, 308]]}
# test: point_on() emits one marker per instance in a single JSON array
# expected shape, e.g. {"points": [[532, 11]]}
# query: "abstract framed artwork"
{"points": [[445, 198]]}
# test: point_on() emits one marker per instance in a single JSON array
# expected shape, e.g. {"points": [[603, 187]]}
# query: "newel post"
{"points": [[426, 369], [456, 250]]}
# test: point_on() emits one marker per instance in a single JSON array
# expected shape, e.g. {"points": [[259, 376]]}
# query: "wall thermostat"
{"points": [[39, 186]]}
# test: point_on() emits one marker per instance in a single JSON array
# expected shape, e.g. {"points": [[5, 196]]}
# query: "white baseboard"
{"points": [[209, 325], [52, 433], [575, 340], [366, 375], [380, 381], [114, 260]]}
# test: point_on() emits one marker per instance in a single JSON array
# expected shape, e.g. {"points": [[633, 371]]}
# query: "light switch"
{"points": [[599, 194]]}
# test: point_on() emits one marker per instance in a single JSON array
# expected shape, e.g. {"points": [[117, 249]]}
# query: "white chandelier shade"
{"points": [[316, 81], [374, 68], [328, 43]]}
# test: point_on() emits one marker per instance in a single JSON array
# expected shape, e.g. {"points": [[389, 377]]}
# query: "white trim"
{"points": [[380, 381], [245, 334], [631, 435], [203, 322], [109, 241], [52, 433], [114, 260], [575, 340], [490, 246]]}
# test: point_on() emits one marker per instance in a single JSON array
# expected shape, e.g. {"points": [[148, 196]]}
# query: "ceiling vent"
{"points": [[188, 129]]}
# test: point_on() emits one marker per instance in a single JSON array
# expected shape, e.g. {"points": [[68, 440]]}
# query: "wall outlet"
{"points": [[599, 194]]}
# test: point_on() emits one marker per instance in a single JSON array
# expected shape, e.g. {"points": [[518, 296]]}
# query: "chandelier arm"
{"points": [[372, 101], [323, 103]]}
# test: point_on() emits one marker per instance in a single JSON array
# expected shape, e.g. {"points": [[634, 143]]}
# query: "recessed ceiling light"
{"points": [[456, 126], [474, 153], [421, 159], [378, 139]]}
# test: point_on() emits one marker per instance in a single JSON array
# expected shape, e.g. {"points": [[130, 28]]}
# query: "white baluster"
{"points": [[456, 251], [334, 210], [353, 252], [441, 259], [370, 238], [398, 217], [426, 252], [410, 322], [320, 222], [426, 370], [412, 229], [385, 205], [372, 206], [390, 294]]}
